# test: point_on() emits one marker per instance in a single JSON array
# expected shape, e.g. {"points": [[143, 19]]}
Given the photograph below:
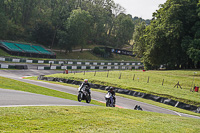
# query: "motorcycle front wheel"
{"points": [[79, 97], [107, 102]]}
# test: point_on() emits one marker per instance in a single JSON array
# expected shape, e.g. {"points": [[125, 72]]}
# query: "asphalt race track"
{"points": [[12, 98], [18, 98]]}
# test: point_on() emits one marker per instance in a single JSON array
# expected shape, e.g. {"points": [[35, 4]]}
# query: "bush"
{"points": [[99, 51]]}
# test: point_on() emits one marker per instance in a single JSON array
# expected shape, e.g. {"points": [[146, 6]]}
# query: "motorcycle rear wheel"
{"points": [[88, 100]]}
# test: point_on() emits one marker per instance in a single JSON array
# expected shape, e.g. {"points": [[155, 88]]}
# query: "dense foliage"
{"points": [[65, 23], [173, 36]]}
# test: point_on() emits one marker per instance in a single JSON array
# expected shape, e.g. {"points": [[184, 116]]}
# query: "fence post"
{"points": [[178, 85], [120, 75], [95, 73], [148, 80], [163, 82], [107, 73], [134, 77]]}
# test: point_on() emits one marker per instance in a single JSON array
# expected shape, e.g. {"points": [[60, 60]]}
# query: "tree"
{"points": [[165, 35], [115, 10], [100, 18], [124, 29], [79, 26], [191, 42], [96, 21], [59, 14], [64, 41], [3, 25], [43, 33], [139, 39]]}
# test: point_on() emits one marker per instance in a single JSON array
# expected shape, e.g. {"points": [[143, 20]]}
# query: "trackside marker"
{"points": [[119, 106], [115, 105], [25, 77]]}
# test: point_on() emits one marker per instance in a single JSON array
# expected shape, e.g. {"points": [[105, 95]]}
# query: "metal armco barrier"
{"points": [[89, 67], [75, 62], [79, 64]]}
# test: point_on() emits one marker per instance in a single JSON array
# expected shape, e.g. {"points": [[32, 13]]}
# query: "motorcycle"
{"points": [[83, 94], [137, 107], [110, 102]]}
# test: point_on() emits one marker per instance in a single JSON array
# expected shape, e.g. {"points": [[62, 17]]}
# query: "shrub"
{"points": [[99, 51]]}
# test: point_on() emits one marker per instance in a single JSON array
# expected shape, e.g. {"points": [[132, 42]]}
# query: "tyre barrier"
{"points": [[129, 92], [21, 67], [6, 66]]}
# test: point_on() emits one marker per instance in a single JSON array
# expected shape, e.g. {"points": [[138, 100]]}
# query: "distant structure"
{"points": [[120, 51], [27, 50]]}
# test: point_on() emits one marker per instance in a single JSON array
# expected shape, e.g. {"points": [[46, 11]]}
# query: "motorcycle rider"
{"points": [[111, 90], [85, 83], [137, 107]]}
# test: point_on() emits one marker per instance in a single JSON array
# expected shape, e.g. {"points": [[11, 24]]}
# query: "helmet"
{"points": [[111, 88], [85, 80]]}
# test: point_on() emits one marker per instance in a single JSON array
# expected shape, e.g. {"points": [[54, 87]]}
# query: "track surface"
{"points": [[8, 97]]}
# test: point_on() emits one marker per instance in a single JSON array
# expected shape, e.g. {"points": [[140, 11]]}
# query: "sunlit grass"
{"points": [[92, 119]]}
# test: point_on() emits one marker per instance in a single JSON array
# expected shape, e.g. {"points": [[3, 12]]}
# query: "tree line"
{"points": [[173, 37], [66, 23]]}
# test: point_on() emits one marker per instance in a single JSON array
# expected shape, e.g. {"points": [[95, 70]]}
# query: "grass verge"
{"points": [[92, 119]]}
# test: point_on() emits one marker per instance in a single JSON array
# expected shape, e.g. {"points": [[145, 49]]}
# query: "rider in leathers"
{"points": [[85, 83], [111, 90]]}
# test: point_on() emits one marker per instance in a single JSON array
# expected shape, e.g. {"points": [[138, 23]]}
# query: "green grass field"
{"points": [[148, 82], [84, 119], [92, 119], [101, 119]]}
